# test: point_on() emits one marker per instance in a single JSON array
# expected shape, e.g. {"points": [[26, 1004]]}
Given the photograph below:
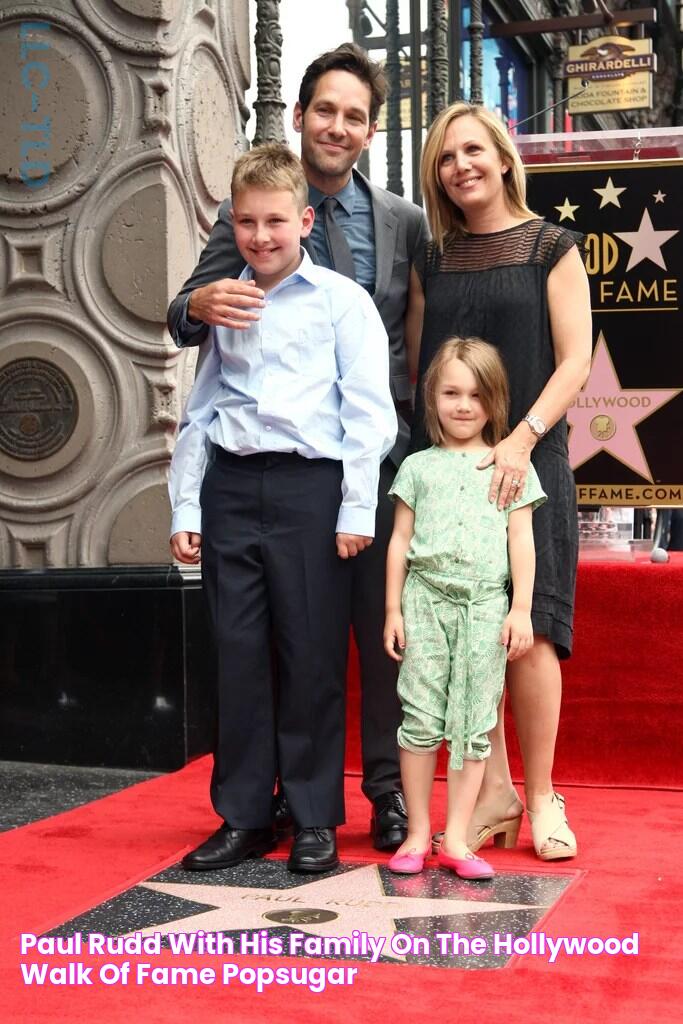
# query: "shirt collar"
{"points": [[306, 271], [346, 197]]}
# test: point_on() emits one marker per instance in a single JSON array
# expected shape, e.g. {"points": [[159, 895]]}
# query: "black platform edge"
{"points": [[124, 577], [105, 667]]}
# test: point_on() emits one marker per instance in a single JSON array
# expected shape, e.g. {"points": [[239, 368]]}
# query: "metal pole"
{"points": [[437, 63], [454, 50], [270, 125], [355, 8], [416, 95], [393, 67], [476, 31], [558, 84], [503, 65]]}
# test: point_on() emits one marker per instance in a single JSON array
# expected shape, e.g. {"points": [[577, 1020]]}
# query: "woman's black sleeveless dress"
{"points": [[494, 286]]}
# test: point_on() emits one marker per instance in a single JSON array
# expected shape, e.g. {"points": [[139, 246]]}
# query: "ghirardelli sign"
{"points": [[610, 73]]}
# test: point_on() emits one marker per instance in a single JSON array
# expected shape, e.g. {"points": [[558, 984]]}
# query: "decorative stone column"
{"points": [[119, 124], [270, 124], [476, 32], [393, 105], [437, 62]]}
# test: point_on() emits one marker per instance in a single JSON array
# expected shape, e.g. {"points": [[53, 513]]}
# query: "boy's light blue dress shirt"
{"points": [[311, 376]]}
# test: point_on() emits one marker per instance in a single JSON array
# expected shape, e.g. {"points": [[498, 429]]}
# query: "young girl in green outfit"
{"points": [[451, 556]]}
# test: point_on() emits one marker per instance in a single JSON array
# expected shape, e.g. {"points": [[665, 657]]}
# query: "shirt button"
{"points": [[269, 428], [463, 454], [462, 488]]}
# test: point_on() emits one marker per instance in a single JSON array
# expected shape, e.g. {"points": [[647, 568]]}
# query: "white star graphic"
{"points": [[609, 194], [646, 243], [566, 211], [659, 196], [357, 897]]}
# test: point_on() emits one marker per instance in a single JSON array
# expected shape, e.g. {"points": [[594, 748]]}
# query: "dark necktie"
{"points": [[338, 247]]}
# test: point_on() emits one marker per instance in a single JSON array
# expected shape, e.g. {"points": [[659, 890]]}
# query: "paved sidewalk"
{"points": [[29, 792]]}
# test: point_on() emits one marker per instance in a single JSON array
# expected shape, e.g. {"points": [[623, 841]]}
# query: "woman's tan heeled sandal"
{"points": [[551, 826], [504, 834]]}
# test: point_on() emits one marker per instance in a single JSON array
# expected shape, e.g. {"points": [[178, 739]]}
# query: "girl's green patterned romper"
{"points": [[454, 602]]}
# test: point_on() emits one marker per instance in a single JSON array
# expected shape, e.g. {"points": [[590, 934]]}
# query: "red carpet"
{"points": [[622, 719], [629, 854]]}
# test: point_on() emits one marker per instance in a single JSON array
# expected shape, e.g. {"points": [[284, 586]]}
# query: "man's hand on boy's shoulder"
{"points": [[185, 547], [351, 544], [226, 303]]}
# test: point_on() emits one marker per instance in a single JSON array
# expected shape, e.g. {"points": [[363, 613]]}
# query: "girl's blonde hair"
{"points": [[492, 381], [443, 215]]}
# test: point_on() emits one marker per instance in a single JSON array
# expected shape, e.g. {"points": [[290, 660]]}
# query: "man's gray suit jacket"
{"points": [[400, 233]]}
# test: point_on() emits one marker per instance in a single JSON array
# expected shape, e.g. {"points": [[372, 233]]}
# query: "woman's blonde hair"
{"points": [[492, 381], [443, 215]]}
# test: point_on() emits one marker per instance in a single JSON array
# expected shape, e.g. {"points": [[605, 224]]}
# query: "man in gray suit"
{"points": [[374, 236]]}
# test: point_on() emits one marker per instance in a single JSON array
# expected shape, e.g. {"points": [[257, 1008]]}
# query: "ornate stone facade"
{"points": [[119, 125]]}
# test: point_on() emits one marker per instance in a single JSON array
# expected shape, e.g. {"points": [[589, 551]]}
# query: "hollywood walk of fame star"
{"points": [[566, 211], [356, 897], [609, 194], [646, 243], [614, 413], [659, 196]]}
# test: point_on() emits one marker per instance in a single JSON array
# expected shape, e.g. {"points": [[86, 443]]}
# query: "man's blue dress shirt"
{"points": [[354, 217]]}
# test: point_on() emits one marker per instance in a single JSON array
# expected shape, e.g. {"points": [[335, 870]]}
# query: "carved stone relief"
{"points": [[132, 25], [59, 386], [33, 259], [53, 150], [119, 125], [38, 409], [157, 10], [208, 99], [36, 545]]}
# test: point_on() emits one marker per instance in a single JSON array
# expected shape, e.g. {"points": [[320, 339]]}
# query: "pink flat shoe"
{"points": [[408, 863], [469, 867]]}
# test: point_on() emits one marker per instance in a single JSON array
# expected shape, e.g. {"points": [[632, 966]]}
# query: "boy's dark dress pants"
{"points": [[271, 572]]}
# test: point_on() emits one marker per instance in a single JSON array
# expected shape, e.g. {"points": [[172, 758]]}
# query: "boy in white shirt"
{"points": [[296, 409]]}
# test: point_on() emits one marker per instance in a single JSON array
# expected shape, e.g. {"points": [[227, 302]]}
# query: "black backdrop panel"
{"points": [[626, 437]]}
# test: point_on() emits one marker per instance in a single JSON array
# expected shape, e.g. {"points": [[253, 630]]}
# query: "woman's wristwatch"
{"points": [[536, 424]]}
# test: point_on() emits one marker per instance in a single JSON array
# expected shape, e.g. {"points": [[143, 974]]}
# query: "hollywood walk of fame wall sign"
{"points": [[625, 425]]}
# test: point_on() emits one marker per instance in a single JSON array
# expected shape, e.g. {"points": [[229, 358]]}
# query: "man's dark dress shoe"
{"points": [[389, 821], [282, 816], [229, 846], [314, 850]]}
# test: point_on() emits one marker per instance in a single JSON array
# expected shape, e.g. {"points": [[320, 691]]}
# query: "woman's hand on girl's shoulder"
{"points": [[511, 461]]}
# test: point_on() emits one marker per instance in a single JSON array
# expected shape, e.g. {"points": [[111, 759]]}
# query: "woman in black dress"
{"points": [[495, 270]]}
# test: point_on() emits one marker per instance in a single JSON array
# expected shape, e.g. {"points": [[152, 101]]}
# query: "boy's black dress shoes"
{"points": [[314, 850], [389, 821], [229, 846]]}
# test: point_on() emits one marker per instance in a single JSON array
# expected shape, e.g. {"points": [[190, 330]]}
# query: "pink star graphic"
{"points": [[646, 243], [605, 415]]}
